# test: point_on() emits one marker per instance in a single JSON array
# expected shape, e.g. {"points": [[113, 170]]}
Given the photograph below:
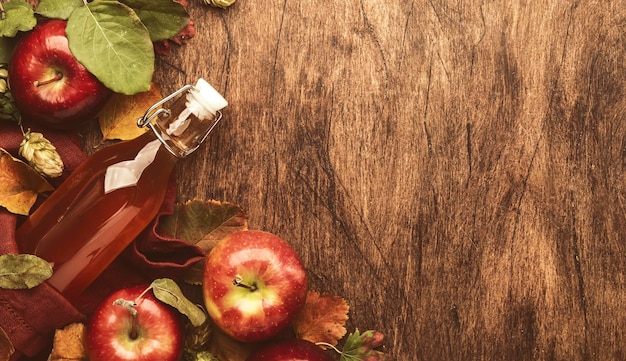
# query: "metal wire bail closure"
{"points": [[156, 111]]}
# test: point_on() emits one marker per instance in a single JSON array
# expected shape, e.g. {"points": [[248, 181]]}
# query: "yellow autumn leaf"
{"points": [[118, 120], [20, 184]]}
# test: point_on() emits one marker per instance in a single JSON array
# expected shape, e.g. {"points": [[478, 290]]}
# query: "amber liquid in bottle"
{"points": [[83, 226], [80, 229]]}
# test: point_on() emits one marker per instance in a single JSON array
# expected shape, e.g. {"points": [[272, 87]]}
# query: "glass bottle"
{"points": [[116, 192]]}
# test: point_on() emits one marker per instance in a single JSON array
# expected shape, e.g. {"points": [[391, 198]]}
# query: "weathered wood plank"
{"points": [[454, 169]]}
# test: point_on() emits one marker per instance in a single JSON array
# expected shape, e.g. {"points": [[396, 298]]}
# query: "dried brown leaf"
{"points": [[20, 184], [203, 223], [69, 343], [118, 120], [322, 318]]}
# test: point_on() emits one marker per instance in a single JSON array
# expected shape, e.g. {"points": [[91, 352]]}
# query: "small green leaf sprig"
{"points": [[360, 346]]}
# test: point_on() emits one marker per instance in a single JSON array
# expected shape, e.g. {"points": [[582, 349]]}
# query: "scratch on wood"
{"points": [[468, 131], [516, 223], [273, 171], [579, 274], [405, 31], [426, 105], [428, 140], [381, 52], [480, 39], [227, 54], [436, 13], [443, 66], [563, 53]]}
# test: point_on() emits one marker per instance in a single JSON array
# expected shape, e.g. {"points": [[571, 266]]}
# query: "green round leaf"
{"points": [[19, 16], [163, 19], [57, 9], [23, 271], [109, 39], [167, 291]]}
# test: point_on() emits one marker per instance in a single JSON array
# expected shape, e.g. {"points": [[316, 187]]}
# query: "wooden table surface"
{"points": [[454, 169]]}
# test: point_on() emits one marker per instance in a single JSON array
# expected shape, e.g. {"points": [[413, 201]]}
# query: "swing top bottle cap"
{"points": [[190, 118], [208, 97]]}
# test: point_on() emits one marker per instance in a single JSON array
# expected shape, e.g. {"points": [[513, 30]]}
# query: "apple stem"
{"points": [[142, 294], [57, 76], [130, 306], [239, 283]]}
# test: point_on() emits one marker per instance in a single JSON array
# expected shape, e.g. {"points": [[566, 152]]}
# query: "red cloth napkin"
{"points": [[30, 317]]}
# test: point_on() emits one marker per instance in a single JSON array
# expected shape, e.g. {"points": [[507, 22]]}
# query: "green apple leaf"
{"points": [[164, 19], [108, 38], [168, 292], [57, 9], [23, 271], [17, 15]]}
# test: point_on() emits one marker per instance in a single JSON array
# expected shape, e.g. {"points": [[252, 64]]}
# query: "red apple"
{"points": [[254, 285], [290, 349], [154, 332], [49, 85]]}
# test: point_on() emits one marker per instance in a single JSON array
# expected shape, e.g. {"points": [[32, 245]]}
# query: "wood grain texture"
{"points": [[454, 169]]}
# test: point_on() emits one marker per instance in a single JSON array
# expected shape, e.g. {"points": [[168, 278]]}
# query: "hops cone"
{"points": [[4, 76], [41, 154], [8, 110], [219, 3]]}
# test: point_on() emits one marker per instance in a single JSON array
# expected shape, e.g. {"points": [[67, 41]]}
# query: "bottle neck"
{"points": [[183, 126], [128, 172]]}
